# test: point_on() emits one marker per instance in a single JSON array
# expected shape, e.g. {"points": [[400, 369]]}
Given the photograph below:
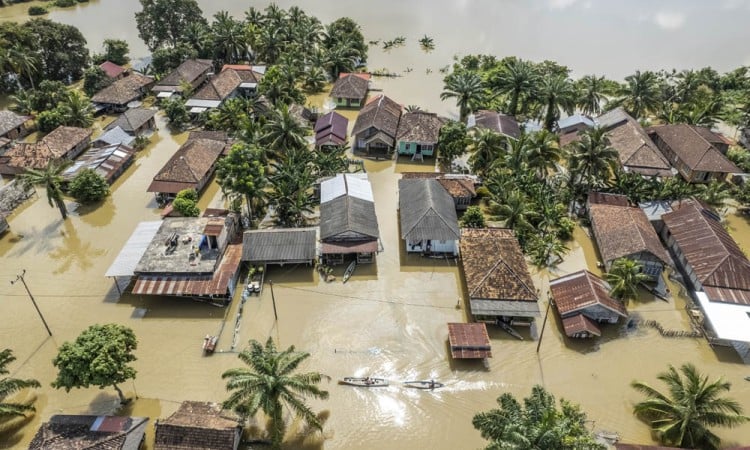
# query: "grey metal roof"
{"points": [[611, 118], [134, 249], [279, 245], [427, 211], [575, 119], [347, 214], [116, 136]]}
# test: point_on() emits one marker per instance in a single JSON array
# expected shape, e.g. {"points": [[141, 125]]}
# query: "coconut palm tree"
{"points": [[591, 160], [283, 132], [9, 386], [624, 277], [340, 58], [468, 90], [51, 178], [546, 250], [314, 80], [23, 62], [682, 416], [591, 94], [485, 147], [641, 94], [544, 152], [515, 210], [517, 79], [229, 38], [77, 110], [556, 92], [270, 384], [714, 193]]}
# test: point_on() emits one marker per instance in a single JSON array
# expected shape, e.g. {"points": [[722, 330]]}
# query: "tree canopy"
{"points": [[163, 23], [88, 186]]}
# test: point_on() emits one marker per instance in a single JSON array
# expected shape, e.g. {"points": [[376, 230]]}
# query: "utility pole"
{"points": [[273, 299], [544, 324], [20, 277]]}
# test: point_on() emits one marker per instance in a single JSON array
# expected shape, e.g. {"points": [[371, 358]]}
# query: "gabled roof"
{"points": [[221, 86], [624, 230], [427, 211], [457, 185], [718, 262], [116, 135], [578, 323], [347, 214], [575, 292], [350, 86], [493, 120], [132, 119], [279, 245], [332, 127], [190, 164], [10, 120], [79, 432], [575, 119], [380, 112], [57, 144], [124, 90], [419, 126], [106, 161], [188, 71], [198, 426], [494, 266], [695, 147], [111, 69], [353, 184]]}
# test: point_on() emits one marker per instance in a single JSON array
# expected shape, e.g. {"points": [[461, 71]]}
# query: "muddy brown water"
{"points": [[388, 320]]}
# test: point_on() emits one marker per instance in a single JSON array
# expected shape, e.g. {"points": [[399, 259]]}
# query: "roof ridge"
{"points": [[502, 261]]}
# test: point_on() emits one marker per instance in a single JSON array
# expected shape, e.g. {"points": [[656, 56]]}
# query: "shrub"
{"points": [[483, 192], [37, 10], [185, 203], [64, 3], [473, 217], [141, 142], [88, 186]]}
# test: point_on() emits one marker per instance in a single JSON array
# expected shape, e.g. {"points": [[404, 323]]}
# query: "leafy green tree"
{"points": [[164, 60], [9, 386], [229, 39], [330, 160], [242, 174], [98, 357], [715, 193], [279, 88], [61, 50], [538, 424], [473, 217], [546, 250], [51, 178], [641, 94], [94, 80], [291, 181], [341, 58], [186, 203], [345, 31], [468, 90], [624, 277], [88, 186], [515, 210], [453, 142], [162, 23], [115, 50], [270, 384], [47, 121], [693, 404], [176, 112], [543, 153]]}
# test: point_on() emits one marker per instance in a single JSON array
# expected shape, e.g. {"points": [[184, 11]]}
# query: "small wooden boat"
{"points": [[747, 378], [209, 343], [349, 271], [508, 329], [364, 381], [423, 384]]}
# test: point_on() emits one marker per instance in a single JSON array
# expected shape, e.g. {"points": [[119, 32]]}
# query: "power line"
{"points": [[23, 281], [365, 299]]}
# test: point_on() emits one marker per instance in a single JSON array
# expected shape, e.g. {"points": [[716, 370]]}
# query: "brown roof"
{"points": [[80, 432], [608, 199], [695, 146], [188, 71], [350, 86], [419, 126], [132, 119], [624, 230], [197, 425], [716, 259], [221, 86], [380, 112], [191, 163], [458, 186], [637, 151], [499, 123], [10, 120], [111, 69], [469, 341], [124, 90], [579, 323], [57, 144], [577, 291], [494, 265]]}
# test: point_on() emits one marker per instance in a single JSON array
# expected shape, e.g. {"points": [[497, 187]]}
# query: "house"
{"points": [[229, 83], [192, 72], [469, 341], [376, 126], [135, 121], [417, 134], [494, 121], [109, 162], [583, 302], [60, 143], [428, 218], [279, 246], [117, 95], [330, 130], [190, 257], [462, 188], [112, 70], [198, 426], [717, 269], [189, 168], [66, 432], [637, 152], [113, 136], [350, 90], [348, 224], [497, 278], [12, 127], [624, 231], [696, 152], [574, 124]]}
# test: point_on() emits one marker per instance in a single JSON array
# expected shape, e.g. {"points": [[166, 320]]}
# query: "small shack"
{"points": [[109, 162], [198, 426], [469, 341], [66, 432], [279, 246], [418, 134], [330, 130]]}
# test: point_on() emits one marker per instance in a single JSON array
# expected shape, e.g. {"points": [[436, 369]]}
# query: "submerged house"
{"points": [[376, 126], [330, 130], [192, 72], [135, 121], [583, 302], [495, 121], [348, 224], [717, 269], [60, 143], [497, 278], [66, 432], [114, 136], [429, 224], [280, 246], [697, 153], [109, 162], [624, 231], [418, 134], [117, 95], [229, 83], [637, 152], [350, 90], [462, 188], [198, 426], [12, 127]]}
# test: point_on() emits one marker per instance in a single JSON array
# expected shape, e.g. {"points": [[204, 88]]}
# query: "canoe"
{"points": [[350, 271], [423, 384], [508, 329], [747, 378], [364, 381], [209, 343]]}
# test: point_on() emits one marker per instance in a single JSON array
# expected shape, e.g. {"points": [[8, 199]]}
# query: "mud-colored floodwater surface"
{"points": [[390, 319]]}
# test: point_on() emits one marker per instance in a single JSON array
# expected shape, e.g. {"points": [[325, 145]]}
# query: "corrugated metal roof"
{"points": [[348, 215], [279, 245], [354, 185], [580, 290], [133, 250], [469, 341], [427, 211]]}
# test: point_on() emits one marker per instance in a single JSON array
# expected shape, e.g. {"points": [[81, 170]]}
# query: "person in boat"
{"points": [[432, 384]]}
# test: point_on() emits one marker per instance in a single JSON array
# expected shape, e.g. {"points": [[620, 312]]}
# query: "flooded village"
{"points": [[380, 275]]}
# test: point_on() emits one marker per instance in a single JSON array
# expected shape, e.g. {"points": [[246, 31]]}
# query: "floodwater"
{"points": [[390, 319]]}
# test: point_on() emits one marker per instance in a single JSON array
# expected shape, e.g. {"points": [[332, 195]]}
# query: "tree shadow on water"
{"points": [[73, 250]]}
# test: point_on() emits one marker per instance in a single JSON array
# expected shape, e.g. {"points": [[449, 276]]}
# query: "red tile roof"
{"points": [[111, 69], [580, 290], [469, 341], [578, 324]]}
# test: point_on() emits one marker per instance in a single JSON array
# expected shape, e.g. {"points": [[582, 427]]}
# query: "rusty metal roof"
{"points": [[349, 247], [469, 341], [580, 290]]}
